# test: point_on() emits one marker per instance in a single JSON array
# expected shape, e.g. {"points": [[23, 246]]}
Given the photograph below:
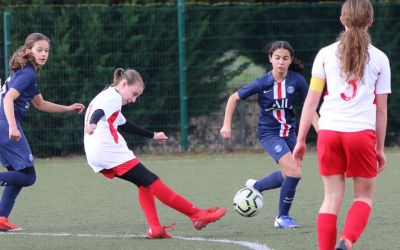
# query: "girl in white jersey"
{"points": [[357, 78], [108, 153]]}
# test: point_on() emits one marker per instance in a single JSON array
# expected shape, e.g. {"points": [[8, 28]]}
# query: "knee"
{"points": [[292, 172], [31, 179]]}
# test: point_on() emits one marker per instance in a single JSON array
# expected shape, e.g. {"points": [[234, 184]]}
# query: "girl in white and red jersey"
{"points": [[352, 126], [108, 153]]}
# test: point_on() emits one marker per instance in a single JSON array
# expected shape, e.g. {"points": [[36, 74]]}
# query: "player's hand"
{"points": [[381, 160], [226, 132], [89, 128], [298, 153], [14, 134], [77, 107], [160, 136]]}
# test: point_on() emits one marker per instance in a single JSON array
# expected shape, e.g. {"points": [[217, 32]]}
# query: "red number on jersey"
{"points": [[352, 83]]}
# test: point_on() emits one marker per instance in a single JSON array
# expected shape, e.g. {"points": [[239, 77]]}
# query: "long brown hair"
{"points": [[22, 56], [356, 15], [130, 75]]}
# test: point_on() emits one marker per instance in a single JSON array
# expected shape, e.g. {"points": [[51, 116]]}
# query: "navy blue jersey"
{"points": [[276, 100], [25, 81]]}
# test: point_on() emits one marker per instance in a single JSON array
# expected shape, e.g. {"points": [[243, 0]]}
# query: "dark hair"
{"points": [[130, 75], [22, 56], [296, 65], [356, 15]]}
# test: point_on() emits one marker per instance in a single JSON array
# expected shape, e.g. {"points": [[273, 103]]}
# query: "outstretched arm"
{"points": [[51, 107], [226, 130], [132, 128]]}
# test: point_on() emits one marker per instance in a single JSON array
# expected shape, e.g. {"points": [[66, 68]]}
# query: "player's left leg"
{"points": [[288, 191], [13, 182]]}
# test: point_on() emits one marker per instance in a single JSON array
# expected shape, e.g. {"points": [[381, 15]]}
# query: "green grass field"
{"points": [[70, 207]]}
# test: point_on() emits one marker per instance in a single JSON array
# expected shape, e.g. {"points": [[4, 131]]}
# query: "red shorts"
{"points": [[349, 153], [120, 169]]}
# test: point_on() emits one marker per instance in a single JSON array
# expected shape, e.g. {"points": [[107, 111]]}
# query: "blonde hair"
{"points": [[356, 15], [130, 75], [22, 56]]}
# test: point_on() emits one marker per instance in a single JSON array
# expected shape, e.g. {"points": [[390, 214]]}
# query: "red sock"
{"points": [[356, 220], [326, 229], [146, 200], [172, 199]]}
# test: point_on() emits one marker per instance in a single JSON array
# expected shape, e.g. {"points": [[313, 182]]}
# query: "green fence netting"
{"points": [[224, 50]]}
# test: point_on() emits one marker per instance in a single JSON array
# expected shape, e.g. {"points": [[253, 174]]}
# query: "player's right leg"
{"points": [[361, 158], [287, 192], [150, 184], [17, 157], [13, 181]]}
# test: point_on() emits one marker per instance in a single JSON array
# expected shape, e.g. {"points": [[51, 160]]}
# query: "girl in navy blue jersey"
{"points": [[18, 91], [277, 91]]}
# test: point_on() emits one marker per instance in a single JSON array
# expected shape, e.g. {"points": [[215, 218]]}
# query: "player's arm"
{"points": [[381, 123], [8, 102], [51, 107], [93, 120], [229, 110], [316, 84], [307, 116], [132, 128]]}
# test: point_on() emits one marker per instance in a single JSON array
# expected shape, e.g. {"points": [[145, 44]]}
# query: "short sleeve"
{"points": [[22, 80], [318, 65], [110, 105], [250, 89], [303, 87]]}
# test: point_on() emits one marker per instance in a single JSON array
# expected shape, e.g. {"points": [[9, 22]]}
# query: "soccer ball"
{"points": [[248, 202]]}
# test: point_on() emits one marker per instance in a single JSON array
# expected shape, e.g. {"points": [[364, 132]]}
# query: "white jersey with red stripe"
{"points": [[349, 106], [106, 148]]}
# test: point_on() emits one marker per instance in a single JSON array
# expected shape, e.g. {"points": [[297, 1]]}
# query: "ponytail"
{"points": [[21, 58], [296, 65], [130, 75], [357, 16]]}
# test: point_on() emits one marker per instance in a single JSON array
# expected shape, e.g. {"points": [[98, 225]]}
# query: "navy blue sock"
{"points": [[271, 181], [13, 182], [288, 190]]}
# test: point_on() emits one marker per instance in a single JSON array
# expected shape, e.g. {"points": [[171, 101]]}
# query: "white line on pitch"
{"points": [[250, 245]]}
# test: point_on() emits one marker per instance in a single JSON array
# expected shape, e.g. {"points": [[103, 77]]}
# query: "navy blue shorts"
{"points": [[277, 146], [17, 154]]}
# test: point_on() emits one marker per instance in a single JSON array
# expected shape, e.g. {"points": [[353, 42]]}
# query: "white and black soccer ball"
{"points": [[248, 202]]}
